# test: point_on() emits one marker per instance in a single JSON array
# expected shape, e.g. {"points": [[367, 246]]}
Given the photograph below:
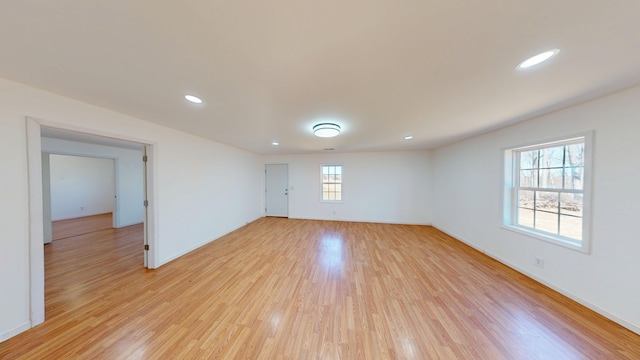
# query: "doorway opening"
{"points": [[127, 199], [79, 192]]}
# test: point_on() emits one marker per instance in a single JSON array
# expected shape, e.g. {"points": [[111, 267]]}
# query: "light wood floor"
{"points": [[63, 229], [298, 289]]}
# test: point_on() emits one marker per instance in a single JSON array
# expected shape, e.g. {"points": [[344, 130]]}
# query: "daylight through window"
{"points": [[548, 192], [331, 182]]}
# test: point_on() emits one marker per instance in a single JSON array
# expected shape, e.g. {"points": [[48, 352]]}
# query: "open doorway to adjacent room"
{"points": [[82, 194], [90, 213]]}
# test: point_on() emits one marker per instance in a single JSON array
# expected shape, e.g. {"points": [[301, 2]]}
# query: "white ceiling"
{"points": [[268, 70]]}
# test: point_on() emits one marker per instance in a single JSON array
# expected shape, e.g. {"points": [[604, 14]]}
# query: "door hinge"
{"points": [[146, 203], [146, 247], [145, 158]]}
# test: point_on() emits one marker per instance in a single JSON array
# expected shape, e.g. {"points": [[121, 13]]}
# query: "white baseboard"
{"points": [[599, 310], [129, 224], [633, 327], [362, 221], [15, 331]]}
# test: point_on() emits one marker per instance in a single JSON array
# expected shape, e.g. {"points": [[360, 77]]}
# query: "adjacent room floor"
{"points": [[301, 289], [63, 229]]}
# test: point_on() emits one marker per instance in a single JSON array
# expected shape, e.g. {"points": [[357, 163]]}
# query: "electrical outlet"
{"points": [[538, 262]]}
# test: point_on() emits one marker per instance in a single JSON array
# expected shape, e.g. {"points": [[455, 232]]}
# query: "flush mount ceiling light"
{"points": [[193, 99], [535, 60], [326, 130], [408, 137], [275, 143]]}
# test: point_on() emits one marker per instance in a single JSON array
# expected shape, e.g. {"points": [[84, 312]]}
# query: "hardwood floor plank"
{"points": [[300, 289], [62, 229]]}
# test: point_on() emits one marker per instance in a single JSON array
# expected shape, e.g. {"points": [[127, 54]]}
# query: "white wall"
{"points": [[128, 174], [468, 177], [202, 189], [389, 187], [81, 186]]}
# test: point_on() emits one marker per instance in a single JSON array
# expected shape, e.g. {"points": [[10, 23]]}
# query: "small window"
{"points": [[546, 191], [331, 182]]}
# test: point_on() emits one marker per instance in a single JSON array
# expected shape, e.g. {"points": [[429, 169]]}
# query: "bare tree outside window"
{"points": [[549, 189]]}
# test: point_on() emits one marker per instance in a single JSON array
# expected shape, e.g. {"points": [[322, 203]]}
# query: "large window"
{"points": [[546, 190], [331, 182]]}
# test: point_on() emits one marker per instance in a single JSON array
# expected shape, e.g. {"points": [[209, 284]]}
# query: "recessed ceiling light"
{"points": [[408, 137], [326, 130], [535, 60], [193, 99], [275, 143]]}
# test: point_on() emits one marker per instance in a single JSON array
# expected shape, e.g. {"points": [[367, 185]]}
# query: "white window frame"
{"points": [[341, 184], [510, 201]]}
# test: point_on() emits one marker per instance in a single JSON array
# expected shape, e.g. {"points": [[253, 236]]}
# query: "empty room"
{"points": [[320, 180]]}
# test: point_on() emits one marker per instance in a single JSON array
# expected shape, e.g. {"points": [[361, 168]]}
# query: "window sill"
{"points": [[581, 246]]}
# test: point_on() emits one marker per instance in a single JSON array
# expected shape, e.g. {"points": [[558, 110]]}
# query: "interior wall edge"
{"points": [[177, 255], [461, 239]]}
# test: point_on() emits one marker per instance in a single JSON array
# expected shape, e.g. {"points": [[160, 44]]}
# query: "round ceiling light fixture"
{"points": [[326, 130], [537, 59]]}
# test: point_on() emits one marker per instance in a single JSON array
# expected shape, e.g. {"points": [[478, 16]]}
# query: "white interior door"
{"points": [[277, 190]]}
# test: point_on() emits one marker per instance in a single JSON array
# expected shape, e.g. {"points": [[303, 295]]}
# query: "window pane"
{"points": [[332, 170], [575, 155], [332, 178], [546, 218], [573, 178], [551, 157], [325, 170], [338, 178], [547, 201], [525, 199], [571, 204], [571, 227], [325, 187], [339, 169], [529, 159], [551, 178], [325, 195], [528, 178], [547, 222], [525, 217]]}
